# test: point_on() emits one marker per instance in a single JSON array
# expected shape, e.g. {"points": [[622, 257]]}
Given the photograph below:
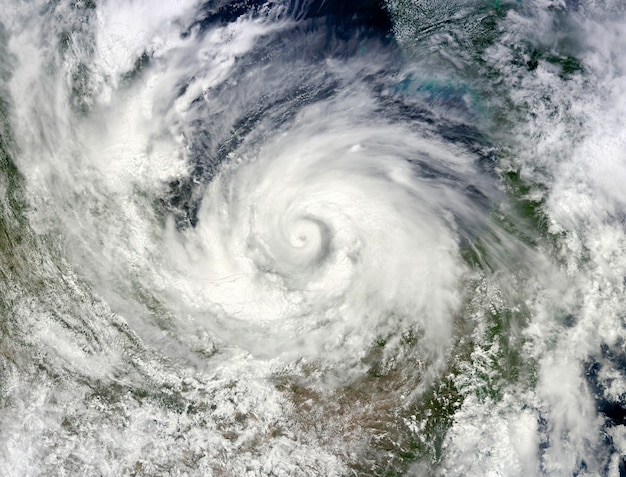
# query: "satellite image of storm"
{"points": [[301, 238]]}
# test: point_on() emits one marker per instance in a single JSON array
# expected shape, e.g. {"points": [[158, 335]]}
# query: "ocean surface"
{"points": [[313, 238]]}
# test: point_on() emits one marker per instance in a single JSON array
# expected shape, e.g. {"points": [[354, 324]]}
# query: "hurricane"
{"points": [[312, 238]]}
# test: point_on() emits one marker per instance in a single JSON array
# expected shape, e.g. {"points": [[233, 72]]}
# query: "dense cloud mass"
{"points": [[312, 238]]}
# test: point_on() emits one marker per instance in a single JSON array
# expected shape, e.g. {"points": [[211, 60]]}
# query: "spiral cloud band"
{"points": [[327, 240]]}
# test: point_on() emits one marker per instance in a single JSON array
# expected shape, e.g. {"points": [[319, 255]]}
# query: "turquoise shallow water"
{"points": [[303, 238]]}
